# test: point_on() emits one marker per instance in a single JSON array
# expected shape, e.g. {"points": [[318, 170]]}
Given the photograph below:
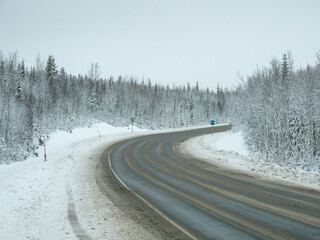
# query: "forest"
{"points": [[276, 107], [37, 100], [279, 110]]}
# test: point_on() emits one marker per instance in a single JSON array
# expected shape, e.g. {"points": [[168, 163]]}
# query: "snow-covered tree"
{"points": [[279, 111]]}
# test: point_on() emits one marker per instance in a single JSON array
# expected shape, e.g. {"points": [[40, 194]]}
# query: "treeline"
{"points": [[37, 100], [280, 112], [277, 107]]}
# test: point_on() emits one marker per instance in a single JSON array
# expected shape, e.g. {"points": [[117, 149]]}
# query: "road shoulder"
{"points": [[216, 150]]}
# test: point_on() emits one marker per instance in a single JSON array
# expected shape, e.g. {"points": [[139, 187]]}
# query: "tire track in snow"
{"points": [[73, 218]]}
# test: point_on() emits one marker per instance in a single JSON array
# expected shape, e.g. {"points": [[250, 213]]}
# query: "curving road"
{"points": [[206, 202]]}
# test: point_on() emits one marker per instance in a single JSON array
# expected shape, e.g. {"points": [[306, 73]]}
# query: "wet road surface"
{"points": [[208, 202]]}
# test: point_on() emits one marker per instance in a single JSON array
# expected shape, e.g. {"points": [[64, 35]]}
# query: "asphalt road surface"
{"points": [[207, 202]]}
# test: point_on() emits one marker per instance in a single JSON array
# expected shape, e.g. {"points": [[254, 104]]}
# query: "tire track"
{"points": [[128, 202], [73, 218]]}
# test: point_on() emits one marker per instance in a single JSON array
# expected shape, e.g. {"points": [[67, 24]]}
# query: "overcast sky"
{"points": [[170, 41]]}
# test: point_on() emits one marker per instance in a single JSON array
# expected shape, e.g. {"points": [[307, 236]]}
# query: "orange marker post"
{"points": [[45, 154]]}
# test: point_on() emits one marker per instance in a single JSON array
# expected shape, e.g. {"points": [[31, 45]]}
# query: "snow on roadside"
{"points": [[35, 195], [228, 150]]}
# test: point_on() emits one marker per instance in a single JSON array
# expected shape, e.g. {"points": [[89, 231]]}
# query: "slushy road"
{"points": [[207, 202]]}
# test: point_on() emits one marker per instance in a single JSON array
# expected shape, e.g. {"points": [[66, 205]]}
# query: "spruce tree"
{"points": [[51, 75], [51, 69]]}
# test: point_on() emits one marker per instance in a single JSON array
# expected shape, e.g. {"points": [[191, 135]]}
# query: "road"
{"points": [[207, 202]]}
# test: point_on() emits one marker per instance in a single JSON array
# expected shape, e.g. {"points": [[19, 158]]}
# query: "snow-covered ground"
{"points": [[37, 197], [228, 151], [39, 200]]}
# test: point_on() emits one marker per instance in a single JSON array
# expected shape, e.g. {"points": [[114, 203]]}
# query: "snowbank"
{"points": [[228, 150], [39, 199]]}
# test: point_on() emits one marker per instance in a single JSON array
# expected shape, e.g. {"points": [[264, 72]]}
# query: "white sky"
{"points": [[170, 41]]}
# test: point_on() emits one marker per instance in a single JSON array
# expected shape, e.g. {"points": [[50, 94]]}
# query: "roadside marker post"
{"points": [[45, 153], [132, 121]]}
